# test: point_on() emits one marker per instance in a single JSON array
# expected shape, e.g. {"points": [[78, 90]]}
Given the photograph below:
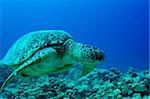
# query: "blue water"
{"points": [[118, 27]]}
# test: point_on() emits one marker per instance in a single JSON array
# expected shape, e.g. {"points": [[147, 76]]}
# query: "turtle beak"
{"points": [[100, 56]]}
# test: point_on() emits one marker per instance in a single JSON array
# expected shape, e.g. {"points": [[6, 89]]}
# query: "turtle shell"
{"points": [[26, 46]]}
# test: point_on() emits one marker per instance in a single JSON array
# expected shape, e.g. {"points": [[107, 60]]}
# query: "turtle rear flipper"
{"points": [[37, 56]]}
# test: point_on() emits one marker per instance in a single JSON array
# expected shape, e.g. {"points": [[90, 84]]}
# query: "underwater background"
{"points": [[118, 27]]}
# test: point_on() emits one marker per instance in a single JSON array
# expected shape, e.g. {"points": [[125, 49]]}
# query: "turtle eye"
{"points": [[99, 55]]}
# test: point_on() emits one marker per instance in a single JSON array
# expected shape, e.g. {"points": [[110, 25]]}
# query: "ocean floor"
{"points": [[99, 84]]}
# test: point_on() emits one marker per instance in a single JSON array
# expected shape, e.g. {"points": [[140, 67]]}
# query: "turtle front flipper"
{"points": [[39, 55], [87, 68]]}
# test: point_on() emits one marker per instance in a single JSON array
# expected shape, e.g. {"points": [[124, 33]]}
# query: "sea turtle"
{"points": [[49, 51]]}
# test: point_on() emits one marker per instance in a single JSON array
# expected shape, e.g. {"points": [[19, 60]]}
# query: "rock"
{"points": [[124, 91], [140, 88], [127, 79], [137, 96], [130, 92], [100, 83], [116, 92], [115, 70], [132, 72], [146, 97]]}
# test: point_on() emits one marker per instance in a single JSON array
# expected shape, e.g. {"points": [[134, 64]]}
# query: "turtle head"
{"points": [[91, 54], [88, 54]]}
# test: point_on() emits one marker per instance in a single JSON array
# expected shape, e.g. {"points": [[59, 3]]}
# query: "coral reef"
{"points": [[99, 84]]}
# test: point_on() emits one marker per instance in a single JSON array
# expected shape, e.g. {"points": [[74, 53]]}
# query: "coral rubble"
{"points": [[99, 84]]}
